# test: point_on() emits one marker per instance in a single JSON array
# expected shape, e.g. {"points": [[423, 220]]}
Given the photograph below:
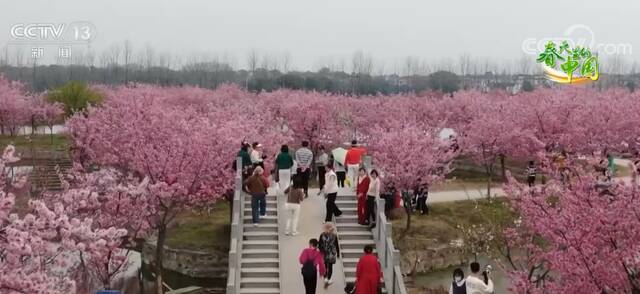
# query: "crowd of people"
{"points": [[291, 175]]}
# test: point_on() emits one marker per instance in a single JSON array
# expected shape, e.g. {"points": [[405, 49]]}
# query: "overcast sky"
{"points": [[315, 30]]}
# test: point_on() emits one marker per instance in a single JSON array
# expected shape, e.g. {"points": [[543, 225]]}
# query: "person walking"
{"points": [[330, 249], [322, 160], [475, 281], [295, 195], [304, 158], [312, 263], [368, 273], [256, 185], [361, 194], [352, 161], [330, 191], [531, 174], [373, 193], [257, 159], [341, 173], [458, 285], [284, 163]]}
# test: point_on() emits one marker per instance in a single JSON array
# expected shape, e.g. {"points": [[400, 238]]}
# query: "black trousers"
{"points": [[310, 282], [332, 208], [321, 171], [531, 180], [422, 205], [329, 267], [369, 210], [305, 181], [341, 176]]}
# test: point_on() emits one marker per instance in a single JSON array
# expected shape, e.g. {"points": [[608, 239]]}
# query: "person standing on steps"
{"points": [[352, 162], [361, 194], [246, 160], [256, 185], [284, 163], [256, 155], [475, 281], [295, 195], [330, 191], [312, 263], [304, 158], [531, 173], [341, 173], [458, 286], [330, 249], [373, 193], [322, 160], [368, 273]]}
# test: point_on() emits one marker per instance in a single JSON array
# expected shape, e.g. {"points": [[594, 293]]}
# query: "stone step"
{"points": [[269, 205], [260, 235], [263, 272], [355, 244], [270, 211], [349, 262], [267, 219], [353, 253], [259, 244], [260, 290], [261, 228], [346, 203], [347, 219], [260, 253], [259, 282], [355, 235], [346, 227], [259, 262]]}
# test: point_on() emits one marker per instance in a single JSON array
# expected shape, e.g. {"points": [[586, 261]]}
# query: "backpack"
{"points": [[309, 267]]}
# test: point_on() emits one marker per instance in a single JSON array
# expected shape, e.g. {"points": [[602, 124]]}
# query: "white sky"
{"points": [[317, 30]]}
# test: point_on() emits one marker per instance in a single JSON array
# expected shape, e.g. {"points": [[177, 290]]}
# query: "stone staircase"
{"points": [[351, 235], [260, 260]]}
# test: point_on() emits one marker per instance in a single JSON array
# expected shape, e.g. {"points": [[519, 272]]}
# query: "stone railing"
{"points": [[235, 248], [388, 255]]}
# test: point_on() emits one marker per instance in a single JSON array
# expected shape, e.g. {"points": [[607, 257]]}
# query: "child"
{"points": [[531, 173]]}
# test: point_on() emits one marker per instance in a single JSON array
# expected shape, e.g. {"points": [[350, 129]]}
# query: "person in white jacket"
{"points": [[475, 281]]}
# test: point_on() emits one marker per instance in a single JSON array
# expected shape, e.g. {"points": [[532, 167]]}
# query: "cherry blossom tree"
{"points": [[39, 250], [14, 110], [180, 152], [579, 237]]}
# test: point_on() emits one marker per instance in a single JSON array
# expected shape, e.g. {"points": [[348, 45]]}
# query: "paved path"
{"points": [[481, 193], [310, 226]]}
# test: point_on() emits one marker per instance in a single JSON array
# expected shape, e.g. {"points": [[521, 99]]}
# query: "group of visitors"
{"points": [[321, 255], [476, 283]]}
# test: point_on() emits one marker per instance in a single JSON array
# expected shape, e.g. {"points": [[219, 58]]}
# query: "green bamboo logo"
{"points": [[577, 65]]}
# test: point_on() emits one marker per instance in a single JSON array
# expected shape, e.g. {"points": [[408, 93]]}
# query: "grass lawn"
{"points": [[440, 226], [202, 230], [40, 142]]}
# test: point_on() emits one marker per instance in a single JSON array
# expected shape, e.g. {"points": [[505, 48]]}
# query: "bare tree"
{"points": [[286, 61], [252, 60], [127, 53], [464, 62]]}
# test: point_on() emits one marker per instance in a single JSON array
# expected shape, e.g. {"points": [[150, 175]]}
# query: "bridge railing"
{"points": [[235, 246], [388, 255]]}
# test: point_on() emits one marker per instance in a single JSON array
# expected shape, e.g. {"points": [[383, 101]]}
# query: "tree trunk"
{"points": [[408, 220], [503, 168], [162, 234], [489, 179]]}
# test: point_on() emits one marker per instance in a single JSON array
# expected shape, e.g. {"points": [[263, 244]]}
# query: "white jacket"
{"points": [[476, 285], [331, 182]]}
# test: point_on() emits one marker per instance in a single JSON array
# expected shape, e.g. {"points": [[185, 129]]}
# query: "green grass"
{"points": [[40, 142], [202, 230], [440, 226]]}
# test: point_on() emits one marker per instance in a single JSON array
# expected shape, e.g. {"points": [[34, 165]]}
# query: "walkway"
{"points": [[310, 226], [481, 193]]}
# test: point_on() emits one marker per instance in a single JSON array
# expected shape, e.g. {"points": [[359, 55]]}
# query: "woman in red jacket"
{"points": [[361, 194], [368, 273]]}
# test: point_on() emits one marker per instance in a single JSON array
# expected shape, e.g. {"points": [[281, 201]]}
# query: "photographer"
{"points": [[476, 280]]}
